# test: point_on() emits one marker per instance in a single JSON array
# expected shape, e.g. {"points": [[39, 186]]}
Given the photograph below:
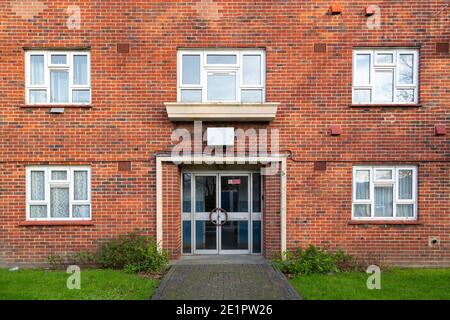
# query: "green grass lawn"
{"points": [[396, 283], [95, 285]]}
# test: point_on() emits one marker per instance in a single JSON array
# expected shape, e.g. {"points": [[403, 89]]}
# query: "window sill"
{"points": [[384, 222], [179, 111], [386, 105], [32, 223], [55, 105]]}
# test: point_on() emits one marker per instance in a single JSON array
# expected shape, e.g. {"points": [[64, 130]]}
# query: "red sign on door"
{"points": [[234, 181]]}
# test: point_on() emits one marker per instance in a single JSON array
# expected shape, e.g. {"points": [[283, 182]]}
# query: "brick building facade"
{"points": [[123, 129]]}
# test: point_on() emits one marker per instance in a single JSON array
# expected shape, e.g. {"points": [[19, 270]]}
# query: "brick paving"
{"points": [[225, 281]]}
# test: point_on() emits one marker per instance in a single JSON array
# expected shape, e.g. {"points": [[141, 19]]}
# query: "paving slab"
{"points": [[224, 278]]}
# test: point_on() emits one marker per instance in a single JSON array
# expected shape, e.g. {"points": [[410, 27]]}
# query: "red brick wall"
{"points": [[171, 210], [322, 216], [121, 202], [127, 119], [271, 216]]}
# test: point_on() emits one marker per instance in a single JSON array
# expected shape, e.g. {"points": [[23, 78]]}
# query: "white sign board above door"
{"points": [[220, 136]]}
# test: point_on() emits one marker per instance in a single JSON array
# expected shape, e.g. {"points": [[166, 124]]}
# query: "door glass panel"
{"points": [[205, 193], [256, 192], [234, 193], [186, 192], [186, 237], [256, 236], [205, 235], [235, 235]]}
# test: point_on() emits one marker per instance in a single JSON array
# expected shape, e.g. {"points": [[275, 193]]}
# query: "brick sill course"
{"points": [[388, 105], [55, 106], [56, 223], [384, 222]]}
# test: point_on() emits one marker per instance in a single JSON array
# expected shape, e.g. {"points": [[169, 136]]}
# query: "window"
{"points": [[59, 193], [385, 192], [385, 76], [221, 76], [57, 77]]}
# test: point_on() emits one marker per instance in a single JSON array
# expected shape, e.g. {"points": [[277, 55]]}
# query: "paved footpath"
{"points": [[218, 278]]}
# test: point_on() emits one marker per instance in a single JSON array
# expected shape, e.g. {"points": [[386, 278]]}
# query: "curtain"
{"points": [[38, 211], [59, 202], [361, 210], [80, 69], [362, 185], [80, 191], [405, 210], [405, 184], [81, 211], [383, 201], [37, 185], [59, 86], [37, 70], [59, 175]]}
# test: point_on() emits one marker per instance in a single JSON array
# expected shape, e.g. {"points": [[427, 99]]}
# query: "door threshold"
{"points": [[220, 259]]}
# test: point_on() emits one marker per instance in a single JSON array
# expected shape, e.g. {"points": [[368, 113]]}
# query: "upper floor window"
{"points": [[385, 192], [385, 76], [221, 76], [57, 77], [59, 193]]}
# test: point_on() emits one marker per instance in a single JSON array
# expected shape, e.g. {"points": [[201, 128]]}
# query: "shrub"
{"points": [[132, 252], [61, 261], [313, 260]]}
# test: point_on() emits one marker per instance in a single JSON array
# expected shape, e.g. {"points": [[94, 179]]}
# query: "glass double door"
{"points": [[222, 213]]}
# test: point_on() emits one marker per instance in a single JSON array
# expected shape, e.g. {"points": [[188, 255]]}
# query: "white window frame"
{"points": [[69, 183], [380, 67], [206, 68], [48, 67], [393, 182]]}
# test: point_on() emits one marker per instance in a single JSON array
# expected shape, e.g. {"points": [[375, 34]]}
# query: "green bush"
{"points": [[80, 258], [132, 252], [313, 260]]}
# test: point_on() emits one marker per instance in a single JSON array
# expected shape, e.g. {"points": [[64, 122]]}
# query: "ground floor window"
{"points": [[58, 193], [222, 212], [384, 192]]}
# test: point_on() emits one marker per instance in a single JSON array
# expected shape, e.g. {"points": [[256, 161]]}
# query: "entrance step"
{"points": [[220, 259]]}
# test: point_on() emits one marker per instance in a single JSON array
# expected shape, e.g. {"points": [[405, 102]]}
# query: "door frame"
{"points": [[191, 215]]}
